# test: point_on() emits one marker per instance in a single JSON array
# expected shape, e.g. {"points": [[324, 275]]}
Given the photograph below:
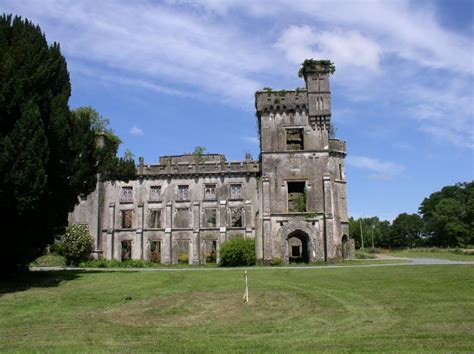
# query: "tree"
{"points": [[449, 216], [406, 230], [108, 165], [371, 227], [48, 155]]}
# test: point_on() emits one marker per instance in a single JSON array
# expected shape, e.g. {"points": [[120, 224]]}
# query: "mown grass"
{"points": [[391, 309], [438, 253]]}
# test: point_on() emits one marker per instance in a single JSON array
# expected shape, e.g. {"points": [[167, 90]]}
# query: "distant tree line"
{"points": [[445, 219], [49, 155]]}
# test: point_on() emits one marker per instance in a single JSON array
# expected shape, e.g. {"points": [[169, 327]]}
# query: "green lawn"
{"points": [[432, 253], [402, 308]]}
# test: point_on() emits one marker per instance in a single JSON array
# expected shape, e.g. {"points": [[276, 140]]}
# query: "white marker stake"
{"points": [[246, 294]]}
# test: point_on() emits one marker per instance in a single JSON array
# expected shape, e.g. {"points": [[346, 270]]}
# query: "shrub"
{"points": [[183, 258], [57, 247], [238, 251], [276, 261], [77, 244]]}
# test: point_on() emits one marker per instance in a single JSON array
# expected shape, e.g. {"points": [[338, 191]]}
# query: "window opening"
{"points": [[294, 139], [296, 197]]}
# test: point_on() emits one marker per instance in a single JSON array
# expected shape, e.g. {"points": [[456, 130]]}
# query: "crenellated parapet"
{"points": [[191, 164], [337, 146], [285, 100]]}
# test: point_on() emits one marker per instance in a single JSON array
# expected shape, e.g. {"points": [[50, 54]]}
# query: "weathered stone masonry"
{"points": [[292, 201]]}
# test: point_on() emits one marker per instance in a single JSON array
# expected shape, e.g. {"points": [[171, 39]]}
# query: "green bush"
{"points": [[57, 247], [238, 251], [77, 243], [183, 258], [276, 261]]}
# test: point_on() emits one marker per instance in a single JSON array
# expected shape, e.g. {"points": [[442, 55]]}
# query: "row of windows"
{"points": [[182, 218], [126, 195]]}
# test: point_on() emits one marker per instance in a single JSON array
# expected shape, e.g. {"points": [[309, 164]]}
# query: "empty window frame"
{"points": [[126, 252], [182, 218], [127, 216], [296, 197], [155, 193], [210, 192], [183, 192], [294, 139], [236, 191], [154, 220], [210, 217], [236, 217], [126, 195], [155, 251]]}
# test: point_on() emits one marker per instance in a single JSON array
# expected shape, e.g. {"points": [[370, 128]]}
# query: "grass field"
{"points": [[404, 308], [438, 253]]}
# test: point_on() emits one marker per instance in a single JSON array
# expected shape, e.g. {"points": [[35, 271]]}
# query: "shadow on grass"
{"points": [[39, 279]]}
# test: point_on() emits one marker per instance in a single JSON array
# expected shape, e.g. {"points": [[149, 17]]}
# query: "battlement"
{"points": [[266, 100], [190, 164], [337, 145], [190, 158]]}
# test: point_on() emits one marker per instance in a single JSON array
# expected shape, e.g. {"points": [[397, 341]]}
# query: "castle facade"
{"points": [[292, 200]]}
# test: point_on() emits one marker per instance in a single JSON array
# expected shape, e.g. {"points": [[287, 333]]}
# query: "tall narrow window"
{"points": [[155, 251], [296, 197], [127, 219], [183, 192], [155, 193], [210, 192], [340, 171], [236, 191], [155, 216], [126, 195], [126, 253], [236, 217], [210, 217], [294, 139]]}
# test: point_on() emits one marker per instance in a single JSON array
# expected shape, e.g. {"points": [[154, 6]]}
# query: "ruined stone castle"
{"points": [[292, 200]]}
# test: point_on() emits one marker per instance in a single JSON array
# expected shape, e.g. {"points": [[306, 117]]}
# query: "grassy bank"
{"points": [[417, 308]]}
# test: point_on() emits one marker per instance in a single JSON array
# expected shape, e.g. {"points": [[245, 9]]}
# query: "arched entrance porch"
{"points": [[298, 247]]}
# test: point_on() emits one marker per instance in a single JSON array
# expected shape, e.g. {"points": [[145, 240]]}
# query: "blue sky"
{"points": [[172, 75]]}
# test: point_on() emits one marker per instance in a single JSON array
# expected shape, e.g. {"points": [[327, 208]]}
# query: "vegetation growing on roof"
{"points": [[316, 66]]}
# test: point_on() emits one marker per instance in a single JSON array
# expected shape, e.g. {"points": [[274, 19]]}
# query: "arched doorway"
{"points": [[298, 247], [345, 250]]}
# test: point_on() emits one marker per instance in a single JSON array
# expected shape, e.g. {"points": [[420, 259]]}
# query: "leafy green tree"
{"points": [[372, 229], [406, 231], [449, 216], [109, 166]]}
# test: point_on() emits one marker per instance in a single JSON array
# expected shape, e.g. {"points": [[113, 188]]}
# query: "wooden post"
{"points": [[246, 294]]}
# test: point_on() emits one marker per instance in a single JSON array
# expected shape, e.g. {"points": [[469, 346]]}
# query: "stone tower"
{"points": [[303, 186]]}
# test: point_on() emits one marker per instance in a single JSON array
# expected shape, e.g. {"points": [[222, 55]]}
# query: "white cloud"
{"points": [[346, 48], [135, 131], [225, 50], [381, 170]]}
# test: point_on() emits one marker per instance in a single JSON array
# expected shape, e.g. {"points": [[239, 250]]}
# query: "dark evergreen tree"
{"points": [[47, 155]]}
